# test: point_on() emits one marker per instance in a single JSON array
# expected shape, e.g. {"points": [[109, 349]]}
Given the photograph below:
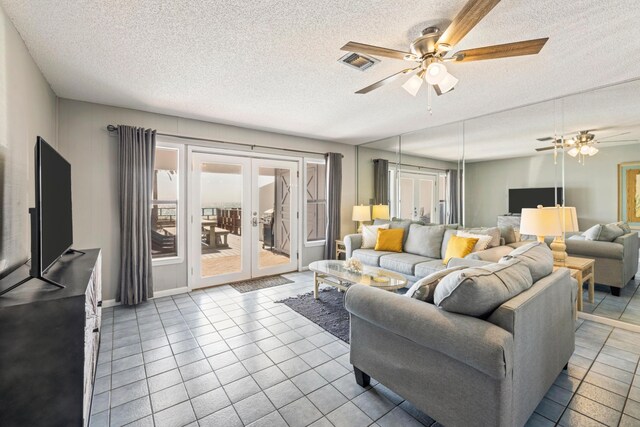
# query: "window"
{"points": [[316, 201], [165, 208]]}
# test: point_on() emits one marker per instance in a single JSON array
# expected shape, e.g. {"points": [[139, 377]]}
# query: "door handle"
{"points": [[254, 221]]}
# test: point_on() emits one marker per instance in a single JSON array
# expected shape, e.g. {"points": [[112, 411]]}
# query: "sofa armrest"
{"points": [[351, 243], [477, 343], [493, 254], [630, 245], [466, 262], [595, 249]]}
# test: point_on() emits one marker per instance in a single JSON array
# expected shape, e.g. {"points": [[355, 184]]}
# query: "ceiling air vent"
{"points": [[357, 61]]}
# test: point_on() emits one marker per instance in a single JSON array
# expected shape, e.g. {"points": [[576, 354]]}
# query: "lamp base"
{"points": [[559, 250], [360, 224]]}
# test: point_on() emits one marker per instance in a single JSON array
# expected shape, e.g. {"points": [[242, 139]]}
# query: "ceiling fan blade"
{"points": [[617, 140], [465, 20], [527, 47], [546, 148], [613, 136], [368, 49], [386, 80]]}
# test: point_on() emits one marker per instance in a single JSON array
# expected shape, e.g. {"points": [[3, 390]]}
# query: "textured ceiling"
{"points": [[272, 64]]}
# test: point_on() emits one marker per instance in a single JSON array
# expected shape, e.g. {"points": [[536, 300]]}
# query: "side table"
{"points": [[340, 249]]}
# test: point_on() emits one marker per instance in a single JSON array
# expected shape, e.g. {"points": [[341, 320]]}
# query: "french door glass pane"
{"points": [[164, 230], [274, 216], [221, 189]]}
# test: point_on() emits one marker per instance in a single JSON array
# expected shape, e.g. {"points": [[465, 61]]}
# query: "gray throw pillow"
{"points": [[508, 234], [425, 240], [536, 256], [604, 232], [479, 291], [494, 232], [624, 226], [424, 288]]}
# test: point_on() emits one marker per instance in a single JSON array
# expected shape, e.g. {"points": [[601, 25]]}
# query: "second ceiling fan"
{"points": [[431, 51]]}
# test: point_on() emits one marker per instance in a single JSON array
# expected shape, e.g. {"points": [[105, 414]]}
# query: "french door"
{"points": [[418, 196], [244, 214]]}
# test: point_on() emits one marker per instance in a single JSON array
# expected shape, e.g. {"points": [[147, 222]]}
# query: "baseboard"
{"points": [[609, 322], [157, 294]]}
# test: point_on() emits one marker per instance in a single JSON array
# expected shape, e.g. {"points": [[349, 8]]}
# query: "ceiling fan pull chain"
{"points": [[429, 100]]}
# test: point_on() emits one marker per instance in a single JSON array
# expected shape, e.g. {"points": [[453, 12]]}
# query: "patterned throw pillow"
{"points": [[424, 288], [370, 235], [624, 226]]}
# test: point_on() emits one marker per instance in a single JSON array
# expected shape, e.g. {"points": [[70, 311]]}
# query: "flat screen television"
{"points": [[52, 226], [520, 198]]}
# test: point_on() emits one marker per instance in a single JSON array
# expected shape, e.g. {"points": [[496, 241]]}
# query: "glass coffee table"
{"points": [[335, 274]]}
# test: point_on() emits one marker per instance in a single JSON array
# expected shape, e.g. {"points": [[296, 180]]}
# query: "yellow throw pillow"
{"points": [[390, 240], [458, 247]]}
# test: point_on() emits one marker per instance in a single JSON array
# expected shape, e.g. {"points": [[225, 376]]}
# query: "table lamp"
{"points": [[541, 222], [360, 214], [568, 223], [380, 212]]}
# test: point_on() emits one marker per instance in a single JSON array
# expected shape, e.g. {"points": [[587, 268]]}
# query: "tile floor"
{"points": [[625, 308], [220, 358]]}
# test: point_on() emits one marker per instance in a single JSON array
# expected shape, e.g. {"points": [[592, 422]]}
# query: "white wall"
{"points": [[592, 188], [27, 109], [92, 151]]}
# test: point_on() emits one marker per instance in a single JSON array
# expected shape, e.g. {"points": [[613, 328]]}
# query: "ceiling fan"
{"points": [[582, 145], [431, 50]]}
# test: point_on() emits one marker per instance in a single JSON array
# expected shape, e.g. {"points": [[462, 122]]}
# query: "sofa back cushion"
{"points": [[508, 233], [424, 288], [370, 235], [425, 240], [536, 256], [445, 240], [397, 223], [478, 291]]}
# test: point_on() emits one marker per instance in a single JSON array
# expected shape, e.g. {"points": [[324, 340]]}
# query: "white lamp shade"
{"points": [[568, 218], [573, 152], [593, 151], [413, 85], [361, 213], [540, 222], [435, 73], [380, 212], [447, 83]]}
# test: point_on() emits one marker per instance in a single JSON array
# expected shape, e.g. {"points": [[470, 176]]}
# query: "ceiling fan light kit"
{"points": [[432, 48], [582, 145]]}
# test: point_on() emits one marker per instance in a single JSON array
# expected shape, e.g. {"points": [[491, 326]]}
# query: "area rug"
{"points": [[327, 311], [260, 283]]}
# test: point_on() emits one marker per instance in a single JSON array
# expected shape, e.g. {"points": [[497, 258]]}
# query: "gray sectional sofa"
{"points": [[415, 263], [459, 369]]}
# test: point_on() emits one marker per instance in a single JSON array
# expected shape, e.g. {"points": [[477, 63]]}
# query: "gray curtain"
{"points": [[453, 199], [381, 182], [136, 156], [334, 193]]}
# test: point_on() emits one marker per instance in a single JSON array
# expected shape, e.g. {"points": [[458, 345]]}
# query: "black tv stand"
{"points": [[23, 281]]}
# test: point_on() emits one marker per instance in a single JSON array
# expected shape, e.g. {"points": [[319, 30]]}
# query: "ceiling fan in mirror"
{"points": [[581, 145], [433, 49]]}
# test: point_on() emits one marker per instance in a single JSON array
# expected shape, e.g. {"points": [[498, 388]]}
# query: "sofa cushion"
{"points": [[424, 288], [425, 240], [508, 233], [397, 223], [370, 235], [428, 267], [389, 240], [536, 256], [494, 232], [402, 263], [369, 256], [478, 291]]}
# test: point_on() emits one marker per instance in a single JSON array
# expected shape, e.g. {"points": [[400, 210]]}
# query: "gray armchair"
{"points": [[461, 370]]}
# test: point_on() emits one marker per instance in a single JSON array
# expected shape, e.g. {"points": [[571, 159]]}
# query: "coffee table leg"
{"points": [[581, 293], [315, 285]]}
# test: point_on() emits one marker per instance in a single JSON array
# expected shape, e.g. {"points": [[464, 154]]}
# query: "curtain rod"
{"points": [[112, 128], [414, 166]]}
